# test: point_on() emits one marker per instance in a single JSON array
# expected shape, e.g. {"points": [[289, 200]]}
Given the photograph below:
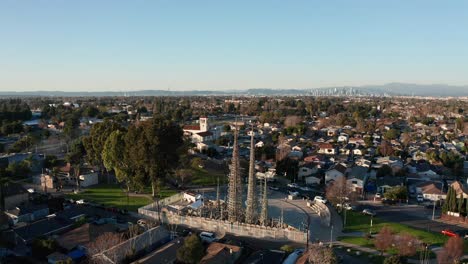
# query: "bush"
{"points": [[287, 248], [42, 247], [393, 260], [192, 251]]}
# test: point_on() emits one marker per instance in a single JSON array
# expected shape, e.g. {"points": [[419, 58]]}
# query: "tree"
{"points": [[338, 192], [154, 150], [384, 239], [385, 170], [461, 205], [4, 182], [94, 143], [406, 244], [460, 124], [183, 177], [321, 255], [446, 206], [397, 193], [385, 149], [114, 157], [392, 134], [42, 247], [452, 251], [393, 260], [191, 251], [75, 158], [104, 242]]}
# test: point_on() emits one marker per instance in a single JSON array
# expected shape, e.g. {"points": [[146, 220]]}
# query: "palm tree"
{"points": [[4, 182]]}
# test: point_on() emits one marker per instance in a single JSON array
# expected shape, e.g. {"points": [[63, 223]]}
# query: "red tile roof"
{"points": [[191, 127]]}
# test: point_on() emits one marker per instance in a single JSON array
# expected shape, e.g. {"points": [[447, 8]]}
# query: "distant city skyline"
{"points": [[218, 45]]}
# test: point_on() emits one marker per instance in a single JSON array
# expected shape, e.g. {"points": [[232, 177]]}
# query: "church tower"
{"points": [[203, 124]]}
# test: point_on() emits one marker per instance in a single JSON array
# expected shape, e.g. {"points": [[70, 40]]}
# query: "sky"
{"points": [[113, 45]]}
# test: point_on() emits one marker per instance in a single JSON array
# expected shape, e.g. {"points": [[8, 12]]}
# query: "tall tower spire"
{"points": [[264, 212], [235, 184], [251, 210]]}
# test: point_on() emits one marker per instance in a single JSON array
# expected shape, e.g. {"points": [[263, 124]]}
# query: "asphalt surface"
{"points": [[417, 216]]}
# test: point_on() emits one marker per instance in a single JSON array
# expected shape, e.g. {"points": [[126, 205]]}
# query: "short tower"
{"points": [[203, 124]]}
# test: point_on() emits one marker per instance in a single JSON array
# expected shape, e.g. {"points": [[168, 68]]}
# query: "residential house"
{"points": [[326, 148], [266, 256], [15, 194], [83, 235], [28, 213], [431, 191], [307, 170], [357, 178], [363, 162], [89, 178], [339, 170], [343, 138], [221, 253], [312, 180], [460, 189]]}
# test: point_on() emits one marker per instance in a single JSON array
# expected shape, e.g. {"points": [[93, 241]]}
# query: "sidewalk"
{"points": [[360, 248]]}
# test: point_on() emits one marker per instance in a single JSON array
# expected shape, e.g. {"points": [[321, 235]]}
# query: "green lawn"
{"points": [[111, 195], [165, 191], [205, 177], [360, 241], [359, 222]]}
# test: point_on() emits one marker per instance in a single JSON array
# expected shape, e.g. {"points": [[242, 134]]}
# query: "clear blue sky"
{"points": [[116, 45]]}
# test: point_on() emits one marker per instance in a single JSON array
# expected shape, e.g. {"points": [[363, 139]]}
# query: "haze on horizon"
{"points": [[208, 45]]}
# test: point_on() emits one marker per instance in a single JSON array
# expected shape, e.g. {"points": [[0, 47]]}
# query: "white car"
{"points": [[81, 201], [420, 198], [378, 195], [346, 206], [207, 237], [293, 185], [320, 199]]}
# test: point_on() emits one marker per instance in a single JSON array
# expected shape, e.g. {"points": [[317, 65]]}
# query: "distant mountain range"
{"points": [[391, 89]]}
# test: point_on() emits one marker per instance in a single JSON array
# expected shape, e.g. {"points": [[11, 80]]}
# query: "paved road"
{"points": [[416, 216]]}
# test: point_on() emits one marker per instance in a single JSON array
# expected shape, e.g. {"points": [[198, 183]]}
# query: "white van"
{"points": [[207, 237]]}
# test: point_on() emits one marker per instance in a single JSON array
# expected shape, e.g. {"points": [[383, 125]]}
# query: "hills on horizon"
{"points": [[390, 89]]}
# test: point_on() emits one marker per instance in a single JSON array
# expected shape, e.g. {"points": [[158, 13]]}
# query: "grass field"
{"points": [[111, 195], [359, 222], [205, 177]]}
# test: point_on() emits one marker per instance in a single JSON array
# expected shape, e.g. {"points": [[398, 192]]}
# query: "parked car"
{"points": [[369, 212], [378, 195], [346, 206], [420, 198], [305, 188], [448, 232], [292, 258], [293, 185], [207, 237], [320, 199], [273, 188], [82, 201]]}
